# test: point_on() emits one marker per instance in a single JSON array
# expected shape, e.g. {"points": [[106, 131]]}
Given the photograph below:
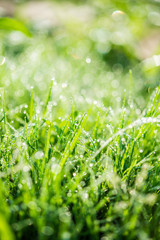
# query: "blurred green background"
{"points": [[88, 47]]}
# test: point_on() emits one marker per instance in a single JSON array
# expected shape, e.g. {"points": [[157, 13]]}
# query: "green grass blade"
{"points": [[9, 24]]}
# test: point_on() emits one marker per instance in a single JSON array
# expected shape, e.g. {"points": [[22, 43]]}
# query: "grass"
{"points": [[79, 139]]}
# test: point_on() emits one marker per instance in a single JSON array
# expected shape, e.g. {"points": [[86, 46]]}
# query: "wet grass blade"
{"points": [[48, 98]]}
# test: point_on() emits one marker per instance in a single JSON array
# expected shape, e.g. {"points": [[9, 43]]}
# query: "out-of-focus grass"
{"points": [[79, 128]]}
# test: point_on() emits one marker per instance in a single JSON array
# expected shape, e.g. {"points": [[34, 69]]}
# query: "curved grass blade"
{"points": [[71, 144], [138, 122], [10, 24]]}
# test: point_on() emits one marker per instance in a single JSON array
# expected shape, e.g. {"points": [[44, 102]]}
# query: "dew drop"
{"points": [[26, 168], [2, 60], [39, 155], [117, 13], [64, 85], [88, 60]]}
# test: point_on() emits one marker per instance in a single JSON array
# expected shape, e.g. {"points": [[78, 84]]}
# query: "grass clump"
{"points": [[62, 179], [79, 154]]}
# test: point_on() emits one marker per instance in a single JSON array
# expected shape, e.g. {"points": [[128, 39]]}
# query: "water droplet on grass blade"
{"points": [[64, 85], [85, 195], [117, 13], [55, 168], [39, 155], [66, 236], [19, 186], [26, 168], [47, 230], [2, 60], [88, 60]]}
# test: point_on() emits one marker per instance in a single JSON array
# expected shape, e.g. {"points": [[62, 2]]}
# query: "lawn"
{"points": [[80, 120]]}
